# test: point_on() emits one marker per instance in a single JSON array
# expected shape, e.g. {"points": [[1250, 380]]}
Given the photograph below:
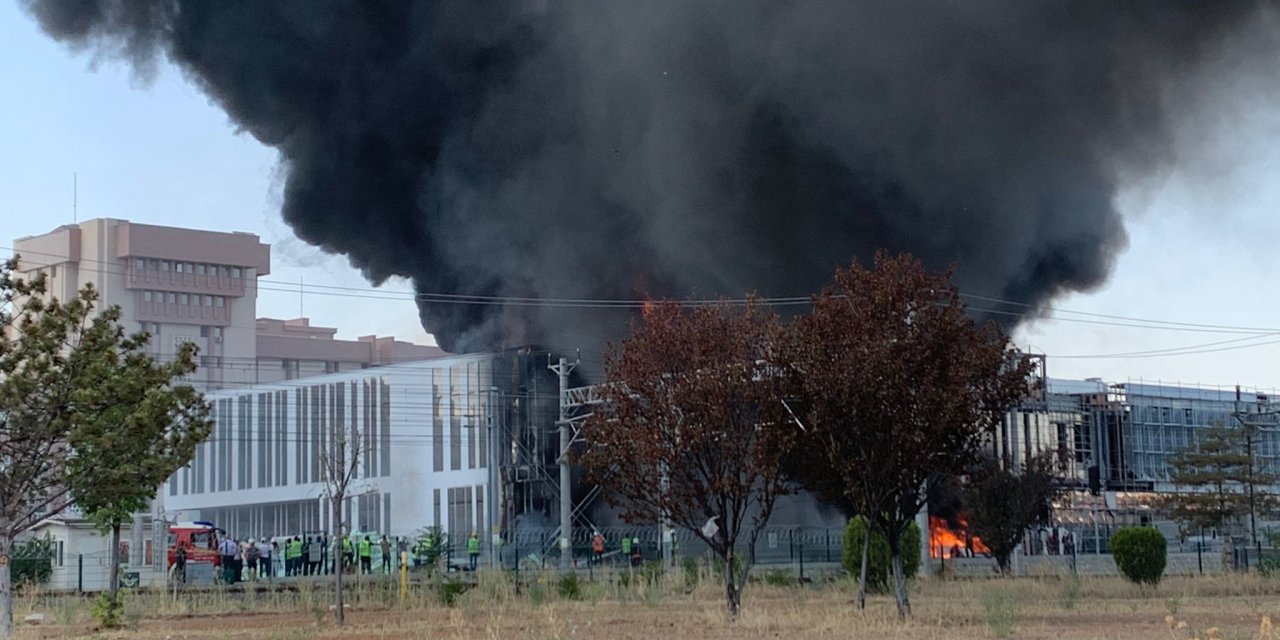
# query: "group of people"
{"points": [[241, 560], [294, 556], [631, 549]]}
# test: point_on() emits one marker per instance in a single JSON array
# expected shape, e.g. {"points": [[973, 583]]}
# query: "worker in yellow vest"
{"points": [[366, 556]]}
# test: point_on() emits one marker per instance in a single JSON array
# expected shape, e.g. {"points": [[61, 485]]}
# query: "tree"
{"points": [[693, 427], [136, 427], [1003, 503], [1215, 472], [877, 565], [339, 466], [897, 386], [49, 351]]}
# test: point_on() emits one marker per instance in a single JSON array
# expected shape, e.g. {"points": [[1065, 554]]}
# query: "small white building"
{"points": [[81, 553]]}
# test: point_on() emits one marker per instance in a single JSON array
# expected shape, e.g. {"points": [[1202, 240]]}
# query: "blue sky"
{"points": [[1203, 232]]}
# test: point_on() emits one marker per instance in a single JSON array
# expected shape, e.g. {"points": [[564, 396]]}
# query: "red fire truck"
{"points": [[200, 539]]}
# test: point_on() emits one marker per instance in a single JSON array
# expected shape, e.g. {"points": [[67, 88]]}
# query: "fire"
{"points": [[945, 542]]}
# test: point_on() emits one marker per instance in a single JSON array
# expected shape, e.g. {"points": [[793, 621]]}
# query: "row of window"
{"points": [[183, 298], [198, 268]]}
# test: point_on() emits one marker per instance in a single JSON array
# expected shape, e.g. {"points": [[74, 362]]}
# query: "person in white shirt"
{"points": [[227, 549], [265, 560]]}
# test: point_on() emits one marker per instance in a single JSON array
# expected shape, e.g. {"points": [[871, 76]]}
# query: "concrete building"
{"points": [[292, 349], [187, 285], [432, 438], [182, 285]]}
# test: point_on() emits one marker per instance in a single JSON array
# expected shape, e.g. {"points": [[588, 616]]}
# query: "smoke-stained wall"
{"points": [[612, 149]]}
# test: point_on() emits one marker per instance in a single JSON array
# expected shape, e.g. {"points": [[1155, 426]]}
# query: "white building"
{"points": [[81, 554], [424, 432]]}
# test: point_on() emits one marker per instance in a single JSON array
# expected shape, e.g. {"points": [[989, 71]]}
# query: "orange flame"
{"points": [[945, 542]]}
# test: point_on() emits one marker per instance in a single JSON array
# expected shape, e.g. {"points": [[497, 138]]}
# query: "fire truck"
{"points": [[200, 539]]}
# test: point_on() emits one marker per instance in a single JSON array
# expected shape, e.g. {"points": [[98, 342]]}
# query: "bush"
{"points": [[1140, 554], [878, 557], [32, 561], [777, 578], [108, 613], [569, 587]]}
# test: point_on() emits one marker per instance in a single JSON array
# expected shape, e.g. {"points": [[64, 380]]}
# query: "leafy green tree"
{"points": [[137, 427], [879, 557], [1140, 554], [1003, 503], [41, 361], [897, 387], [1216, 474]]}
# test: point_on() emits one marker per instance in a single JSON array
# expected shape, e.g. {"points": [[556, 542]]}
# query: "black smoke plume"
{"points": [[615, 148]]}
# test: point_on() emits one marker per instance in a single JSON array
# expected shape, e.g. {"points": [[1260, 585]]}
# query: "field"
{"points": [[1057, 609]]}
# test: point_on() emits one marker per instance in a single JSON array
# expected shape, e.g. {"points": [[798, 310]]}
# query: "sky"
{"points": [[1203, 231]]}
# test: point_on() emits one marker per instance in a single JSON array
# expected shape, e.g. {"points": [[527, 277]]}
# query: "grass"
{"points": [[676, 606]]}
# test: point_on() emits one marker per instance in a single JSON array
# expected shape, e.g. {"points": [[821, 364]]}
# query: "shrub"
{"points": [[692, 573], [878, 557], [1140, 554], [568, 587], [32, 561], [777, 578], [448, 592], [108, 613]]}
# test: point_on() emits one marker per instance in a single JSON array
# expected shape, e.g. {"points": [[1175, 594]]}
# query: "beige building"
{"points": [[187, 285], [290, 349]]}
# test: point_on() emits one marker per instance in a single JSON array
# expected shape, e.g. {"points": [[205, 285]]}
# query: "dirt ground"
{"points": [[1048, 609]]}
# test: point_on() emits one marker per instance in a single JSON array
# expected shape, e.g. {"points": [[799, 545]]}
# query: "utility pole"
{"points": [[563, 369]]}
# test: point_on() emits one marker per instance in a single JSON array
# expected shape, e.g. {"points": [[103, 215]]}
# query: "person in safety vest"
{"points": [[366, 556], [597, 547], [473, 550]]}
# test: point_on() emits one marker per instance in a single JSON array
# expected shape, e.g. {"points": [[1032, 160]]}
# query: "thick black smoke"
{"points": [[614, 148]]}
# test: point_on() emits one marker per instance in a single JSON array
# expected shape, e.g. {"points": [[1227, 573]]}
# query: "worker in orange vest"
{"points": [[597, 547]]}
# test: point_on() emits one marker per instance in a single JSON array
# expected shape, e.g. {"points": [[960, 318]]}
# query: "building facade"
{"points": [[181, 285], [434, 442], [188, 285]]}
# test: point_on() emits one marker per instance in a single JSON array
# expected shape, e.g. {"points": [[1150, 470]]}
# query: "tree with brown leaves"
{"points": [[693, 427], [896, 386]]}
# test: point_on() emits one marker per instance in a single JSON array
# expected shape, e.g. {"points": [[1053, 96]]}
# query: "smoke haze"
{"points": [[616, 149]]}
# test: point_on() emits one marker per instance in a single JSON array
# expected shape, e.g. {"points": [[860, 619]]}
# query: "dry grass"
{"points": [[1057, 609]]}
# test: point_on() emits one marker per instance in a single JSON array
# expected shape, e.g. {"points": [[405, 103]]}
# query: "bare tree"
{"points": [[339, 468], [693, 427]]}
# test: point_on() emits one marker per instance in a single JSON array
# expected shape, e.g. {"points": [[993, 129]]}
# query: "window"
{"points": [[177, 266], [164, 265], [208, 301], [146, 296], [182, 298], [235, 272], [155, 328], [204, 332], [139, 264], [226, 272], [217, 332], [200, 269], [173, 298], [220, 301], [155, 264]]}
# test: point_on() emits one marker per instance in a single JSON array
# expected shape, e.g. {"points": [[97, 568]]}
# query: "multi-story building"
{"points": [[291, 349], [456, 442], [187, 285], [181, 285]]}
